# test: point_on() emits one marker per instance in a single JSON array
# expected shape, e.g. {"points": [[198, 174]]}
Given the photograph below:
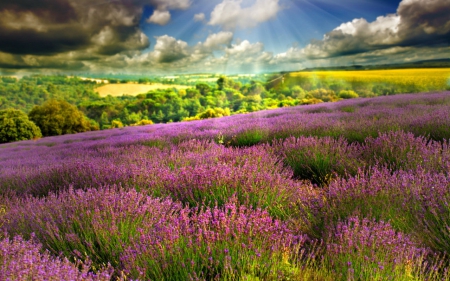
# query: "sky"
{"points": [[217, 36]]}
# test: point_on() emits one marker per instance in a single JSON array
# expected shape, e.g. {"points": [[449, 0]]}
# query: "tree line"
{"points": [[37, 106]]}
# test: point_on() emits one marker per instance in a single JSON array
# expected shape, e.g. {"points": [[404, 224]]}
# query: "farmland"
{"points": [[356, 189], [131, 89], [391, 81]]}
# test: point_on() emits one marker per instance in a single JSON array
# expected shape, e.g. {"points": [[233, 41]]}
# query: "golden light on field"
{"points": [[420, 79], [117, 90]]}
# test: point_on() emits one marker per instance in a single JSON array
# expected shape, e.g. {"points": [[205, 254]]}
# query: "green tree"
{"points": [[225, 83], [104, 121], [203, 88], [58, 118], [15, 126], [298, 92]]}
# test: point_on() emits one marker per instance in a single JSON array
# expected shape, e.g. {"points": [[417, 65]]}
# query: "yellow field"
{"points": [[116, 90], [421, 79]]}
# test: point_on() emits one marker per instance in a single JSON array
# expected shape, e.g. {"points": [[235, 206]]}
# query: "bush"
{"points": [[322, 94], [116, 124], [319, 159], [25, 260], [364, 249], [229, 243], [214, 113], [143, 123], [348, 94], [15, 126]]}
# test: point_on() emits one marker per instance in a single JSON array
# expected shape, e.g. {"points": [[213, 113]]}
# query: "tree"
{"points": [[223, 82], [203, 88], [104, 121], [58, 118], [298, 92], [15, 126]]}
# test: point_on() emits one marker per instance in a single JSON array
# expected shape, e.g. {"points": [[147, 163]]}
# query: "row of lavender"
{"points": [[342, 191]]}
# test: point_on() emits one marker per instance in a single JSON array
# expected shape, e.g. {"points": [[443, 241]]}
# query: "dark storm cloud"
{"points": [[29, 41], [425, 22], [48, 27], [50, 10], [16, 62], [419, 23]]}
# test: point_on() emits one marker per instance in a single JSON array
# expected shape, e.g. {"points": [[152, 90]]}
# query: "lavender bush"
{"points": [[229, 243], [363, 249], [403, 151], [24, 260], [96, 224], [320, 159]]}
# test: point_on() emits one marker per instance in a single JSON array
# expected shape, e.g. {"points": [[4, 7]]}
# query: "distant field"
{"points": [[132, 89], [421, 79]]}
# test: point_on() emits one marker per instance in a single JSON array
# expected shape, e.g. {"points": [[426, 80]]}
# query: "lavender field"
{"points": [[352, 190]]}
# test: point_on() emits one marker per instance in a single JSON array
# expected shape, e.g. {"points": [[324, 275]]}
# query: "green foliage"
{"points": [[348, 94], [214, 113], [116, 124], [144, 122], [27, 92], [322, 160], [323, 94], [348, 109], [248, 138], [15, 126], [59, 118], [316, 167], [203, 88], [298, 92]]}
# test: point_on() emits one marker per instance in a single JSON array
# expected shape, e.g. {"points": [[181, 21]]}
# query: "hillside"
{"points": [[299, 192]]}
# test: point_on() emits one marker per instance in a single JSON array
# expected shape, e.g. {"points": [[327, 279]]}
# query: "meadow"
{"points": [[351, 190]]}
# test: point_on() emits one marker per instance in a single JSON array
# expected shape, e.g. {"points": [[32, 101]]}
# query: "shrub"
{"points": [[25, 260], [229, 243], [323, 94], [116, 124], [247, 138], [144, 122], [363, 249], [400, 150], [319, 159], [94, 225], [348, 94]]}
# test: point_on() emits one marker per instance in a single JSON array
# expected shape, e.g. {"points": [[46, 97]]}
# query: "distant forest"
{"points": [[218, 97]]}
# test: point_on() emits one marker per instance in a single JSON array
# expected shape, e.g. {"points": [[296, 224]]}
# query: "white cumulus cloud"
{"points": [[231, 13], [171, 4], [214, 41], [159, 17], [199, 17]]}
